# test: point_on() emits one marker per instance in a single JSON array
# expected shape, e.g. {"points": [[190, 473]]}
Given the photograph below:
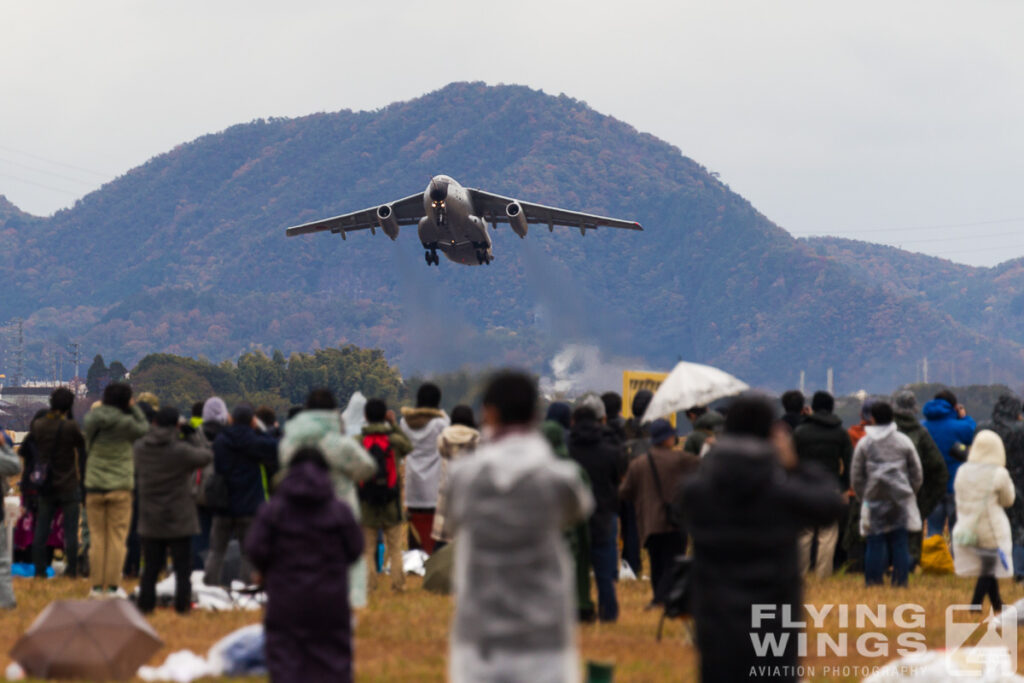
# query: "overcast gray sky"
{"points": [[896, 122]]}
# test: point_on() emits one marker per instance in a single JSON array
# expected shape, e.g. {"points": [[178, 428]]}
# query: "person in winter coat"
{"points": [[166, 459], [948, 423], [982, 541], [1006, 422], [319, 426], [744, 509], [303, 542], [638, 443], [886, 475], [794, 408], [10, 465], [458, 440], [706, 423], [241, 454], [423, 424], [578, 535], [380, 497], [59, 447], [933, 465], [603, 459], [214, 416], [110, 431], [821, 439], [509, 505], [650, 484]]}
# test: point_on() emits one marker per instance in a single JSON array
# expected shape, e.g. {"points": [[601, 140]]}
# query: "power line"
{"points": [[103, 174], [859, 231], [91, 183], [76, 193]]}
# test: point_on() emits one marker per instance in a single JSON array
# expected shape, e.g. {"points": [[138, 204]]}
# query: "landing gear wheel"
{"points": [[435, 258], [430, 259]]}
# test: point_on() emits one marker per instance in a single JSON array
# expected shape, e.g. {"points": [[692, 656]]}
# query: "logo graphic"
{"points": [[989, 645]]}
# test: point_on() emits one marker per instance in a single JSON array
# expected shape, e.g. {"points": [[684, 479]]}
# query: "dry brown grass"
{"points": [[403, 637]]}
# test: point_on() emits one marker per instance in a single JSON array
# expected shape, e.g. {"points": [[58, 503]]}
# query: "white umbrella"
{"points": [[689, 385]]}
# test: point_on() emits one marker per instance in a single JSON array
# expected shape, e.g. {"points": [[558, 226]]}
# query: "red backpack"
{"points": [[382, 487]]}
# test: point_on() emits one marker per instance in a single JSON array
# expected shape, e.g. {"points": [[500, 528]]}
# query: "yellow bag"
{"points": [[935, 556]]}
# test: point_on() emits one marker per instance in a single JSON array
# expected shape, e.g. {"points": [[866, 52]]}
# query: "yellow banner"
{"points": [[633, 382]]}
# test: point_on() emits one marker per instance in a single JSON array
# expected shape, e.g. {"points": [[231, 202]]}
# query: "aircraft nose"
{"points": [[438, 190]]}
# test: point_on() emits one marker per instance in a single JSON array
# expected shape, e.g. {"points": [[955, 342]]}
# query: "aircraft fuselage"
{"points": [[450, 224]]}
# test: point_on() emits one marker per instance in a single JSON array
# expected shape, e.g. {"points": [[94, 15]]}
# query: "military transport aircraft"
{"points": [[453, 219]]}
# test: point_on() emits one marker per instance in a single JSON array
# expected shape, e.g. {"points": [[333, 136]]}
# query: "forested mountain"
{"points": [[186, 254]]}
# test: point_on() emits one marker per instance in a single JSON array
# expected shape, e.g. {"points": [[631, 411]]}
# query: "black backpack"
{"points": [[382, 487]]}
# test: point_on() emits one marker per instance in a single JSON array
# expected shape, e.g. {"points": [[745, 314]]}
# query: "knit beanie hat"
{"points": [[215, 410], [905, 401]]}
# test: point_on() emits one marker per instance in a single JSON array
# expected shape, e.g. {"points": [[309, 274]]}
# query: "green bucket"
{"points": [[600, 672]]}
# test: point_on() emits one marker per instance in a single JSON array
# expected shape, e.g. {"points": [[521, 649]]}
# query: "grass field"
{"points": [[404, 637]]}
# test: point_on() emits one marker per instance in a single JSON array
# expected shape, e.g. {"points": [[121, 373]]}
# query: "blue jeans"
{"points": [[882, 549], [604, 556], [944, 510]]}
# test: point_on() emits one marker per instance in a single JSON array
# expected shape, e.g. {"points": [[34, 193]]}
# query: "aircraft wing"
{"points": [[408, 211], [492, 206]]}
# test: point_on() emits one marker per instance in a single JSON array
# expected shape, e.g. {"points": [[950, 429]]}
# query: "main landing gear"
{"points": [[432, 258], [482, 258]]}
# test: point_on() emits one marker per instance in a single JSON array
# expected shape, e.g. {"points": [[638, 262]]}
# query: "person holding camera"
{"points": [[165, 460]]}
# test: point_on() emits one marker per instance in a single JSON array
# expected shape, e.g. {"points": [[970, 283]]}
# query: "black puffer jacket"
{"points": [[744, 513], [242, 456], [1006, 423], [602, 457], [821, 439]]}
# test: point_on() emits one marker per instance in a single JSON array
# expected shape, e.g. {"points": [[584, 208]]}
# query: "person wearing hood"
{"points": [[1006, 422], [603, 459], [423, 424], [213, 417], [933, 466], [166, 459], [578, 535], [886, 475], [982, 538], [650, 484], [744, 509], [820, 439], [949, 425], [320, 426], [638, 442], [380, 496], [241, 454], [706, 423], [614, 421], [302, 543], [457, 441], [508, 506], [110, 430]]}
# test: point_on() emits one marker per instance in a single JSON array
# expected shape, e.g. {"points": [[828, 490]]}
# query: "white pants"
{"points": [[827, 538]]}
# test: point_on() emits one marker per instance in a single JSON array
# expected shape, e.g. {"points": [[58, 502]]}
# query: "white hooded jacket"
{"points": [[983, 489], [423, 464]]}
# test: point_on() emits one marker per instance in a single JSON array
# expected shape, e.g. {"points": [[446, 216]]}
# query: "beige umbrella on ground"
{"points": [[689, 385], [95, 639]]}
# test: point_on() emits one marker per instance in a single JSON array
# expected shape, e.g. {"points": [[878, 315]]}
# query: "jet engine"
{"points": [[517, 218], [387, 220]]}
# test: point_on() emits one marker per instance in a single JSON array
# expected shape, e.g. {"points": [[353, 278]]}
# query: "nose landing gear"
{"points": [[482, 258], [432, 258]]}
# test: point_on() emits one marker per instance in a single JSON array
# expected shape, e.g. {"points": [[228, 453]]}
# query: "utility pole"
{"points": [[19, 354], [75, 349], [803, 378], [830, 382], [924, 369]]}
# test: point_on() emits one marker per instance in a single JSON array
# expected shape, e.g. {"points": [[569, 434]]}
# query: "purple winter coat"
{"points": [[303, 542]]}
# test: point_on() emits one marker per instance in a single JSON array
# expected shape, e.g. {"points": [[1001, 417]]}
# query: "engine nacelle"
{"points": [[387, 220], [517, 218]]}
